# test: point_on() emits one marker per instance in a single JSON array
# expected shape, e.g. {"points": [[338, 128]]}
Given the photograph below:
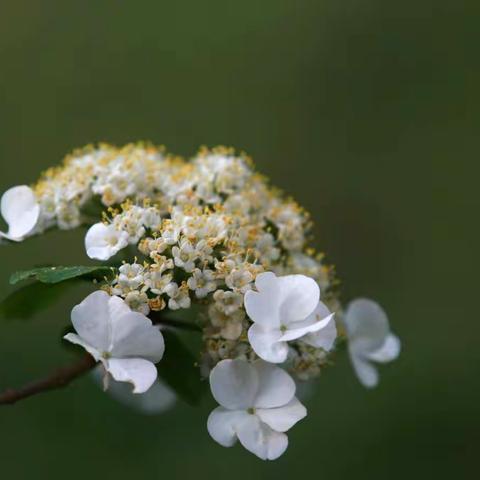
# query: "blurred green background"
{"points": [[366, 111]]}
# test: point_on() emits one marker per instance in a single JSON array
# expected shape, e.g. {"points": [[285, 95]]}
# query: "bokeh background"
{"points": [[366, 111]]}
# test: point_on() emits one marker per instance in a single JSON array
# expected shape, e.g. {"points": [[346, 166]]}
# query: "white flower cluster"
{"points": [[209, 231]]}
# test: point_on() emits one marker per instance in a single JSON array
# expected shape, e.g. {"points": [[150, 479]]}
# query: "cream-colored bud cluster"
{"points": [[199, 231]]}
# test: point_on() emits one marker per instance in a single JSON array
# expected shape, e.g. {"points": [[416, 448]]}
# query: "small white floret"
{"points": [[202, 282]]}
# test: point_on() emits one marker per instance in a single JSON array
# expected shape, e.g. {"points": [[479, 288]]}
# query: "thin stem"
{"points": [[58, 379]]}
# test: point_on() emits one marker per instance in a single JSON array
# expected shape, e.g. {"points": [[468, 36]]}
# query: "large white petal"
{"points": [[73, 338], [324, 337], [234, 384], [389, 351], [20, 210], [139, 372], [366, 372], [99, 253], [222, 425], [133, 335], [95, 244], [367, 323], [266, 282], [319, 313], [261, 440], [283, 418], [266, 344], [300, 297], [263, 308], [293, 333], [117, 307], [91, 320], [275, 386]]}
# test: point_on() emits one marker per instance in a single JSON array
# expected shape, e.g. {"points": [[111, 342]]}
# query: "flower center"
{"points": [[251, 411], [112, 241]]}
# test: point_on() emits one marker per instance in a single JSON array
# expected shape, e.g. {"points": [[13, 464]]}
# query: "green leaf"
{"points": [[27, 301], [60, 274], [50, 283], [179, 370]]}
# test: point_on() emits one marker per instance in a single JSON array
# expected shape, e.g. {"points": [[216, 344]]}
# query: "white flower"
{"points": [[21, 211], [126, 342], [151, 247], [157, 281], [258, 405], [179, 297], [151, 218], [171, 232], [68, 215], [202, 282], [115, 184], [185, 256], [215, 228], [104, 241], [138, 302], [204, 251], [284, 309], [131, 276], [265, 247], [230, 326], [162, 263], [222, 173], [239, 279], [292, 235], [369, 339], [227, 301], [131, 221]]}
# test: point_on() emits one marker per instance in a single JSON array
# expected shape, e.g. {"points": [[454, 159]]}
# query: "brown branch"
{"points": [[58, 379]]}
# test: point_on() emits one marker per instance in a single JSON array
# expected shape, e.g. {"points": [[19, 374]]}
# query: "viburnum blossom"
{"points": [[104, 241], [126, 342], [21, 211], [207, 245], [130, 276], [369, 339], [284, 309], [257, 405]]}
